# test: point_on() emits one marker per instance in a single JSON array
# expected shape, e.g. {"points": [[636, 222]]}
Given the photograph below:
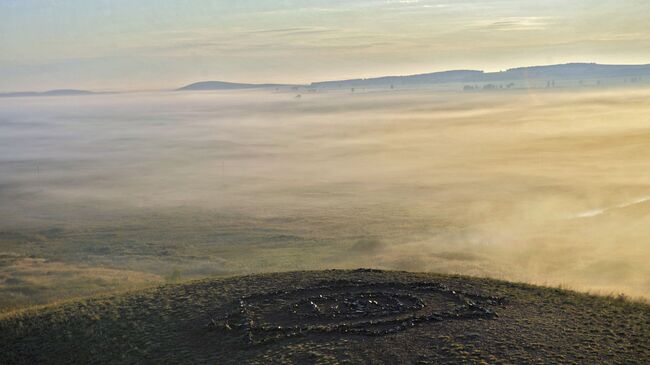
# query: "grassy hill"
{"points": [[323, 317]]}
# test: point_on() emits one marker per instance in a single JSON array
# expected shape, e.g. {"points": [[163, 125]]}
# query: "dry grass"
{"points": [[29, 281], [169, 325]]}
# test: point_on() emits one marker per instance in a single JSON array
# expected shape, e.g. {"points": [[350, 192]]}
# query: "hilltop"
{"points": [[334, 316], [221, 85]]}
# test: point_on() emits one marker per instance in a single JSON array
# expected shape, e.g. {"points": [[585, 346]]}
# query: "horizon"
{"points": [[263, 82], [118, 45]]}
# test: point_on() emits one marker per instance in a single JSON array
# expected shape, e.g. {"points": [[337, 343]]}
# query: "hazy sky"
{"points": [[143, 44]]}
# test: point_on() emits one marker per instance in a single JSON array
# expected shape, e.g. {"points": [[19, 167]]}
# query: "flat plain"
{"points": [[121, 191]]}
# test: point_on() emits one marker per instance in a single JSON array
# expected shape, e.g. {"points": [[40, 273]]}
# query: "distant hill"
{"points": [[566, 75], [59, 92], [330, 317], [421, 79], [573, 71], [564, 72], [221, 85]]}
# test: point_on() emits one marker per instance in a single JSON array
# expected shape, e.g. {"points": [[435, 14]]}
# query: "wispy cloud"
{"points": [[294, 31], [512, 24], [294, 41]]}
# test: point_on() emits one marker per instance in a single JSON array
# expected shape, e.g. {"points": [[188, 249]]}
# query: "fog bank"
{"points": [[546, 187]]}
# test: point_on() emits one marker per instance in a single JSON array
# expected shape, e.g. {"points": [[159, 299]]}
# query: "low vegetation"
{"points": [[184, 323]]}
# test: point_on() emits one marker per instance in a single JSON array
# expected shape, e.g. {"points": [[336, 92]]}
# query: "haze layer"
{"points": [[120, 190]]}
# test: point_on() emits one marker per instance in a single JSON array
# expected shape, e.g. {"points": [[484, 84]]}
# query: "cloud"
{"points": [[512, 24], [298, 31], [293, 40]]}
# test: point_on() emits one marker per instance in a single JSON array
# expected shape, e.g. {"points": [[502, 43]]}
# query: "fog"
{"points": [[547, 187]]}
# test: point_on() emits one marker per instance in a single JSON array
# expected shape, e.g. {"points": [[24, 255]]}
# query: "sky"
{"points": [[164, 44]]}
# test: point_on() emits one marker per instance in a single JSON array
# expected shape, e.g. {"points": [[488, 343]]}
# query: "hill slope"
{"points": [[221, 85], [421, 79], [361, 316], [569, 71]]}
